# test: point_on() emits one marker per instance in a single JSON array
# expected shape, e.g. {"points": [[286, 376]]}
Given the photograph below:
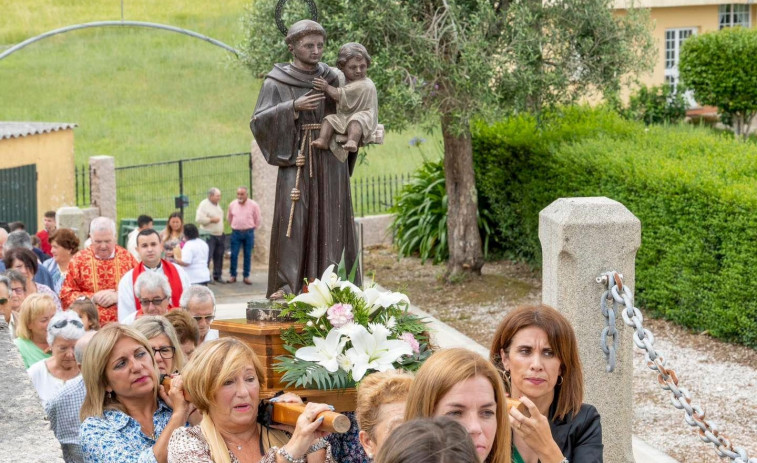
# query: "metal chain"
{"points": [[667, 378]]}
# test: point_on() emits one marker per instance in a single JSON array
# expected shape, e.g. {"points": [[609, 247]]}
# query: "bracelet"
{"points": [[320, 445], [283, 452], [565, 460]]}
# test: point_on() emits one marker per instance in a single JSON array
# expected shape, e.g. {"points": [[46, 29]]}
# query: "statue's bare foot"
{"points": [[350, 145], [320, 144], [277, 295]]}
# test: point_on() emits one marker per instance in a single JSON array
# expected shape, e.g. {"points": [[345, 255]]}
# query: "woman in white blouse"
{"points": [[194, 256], [51, 374]]}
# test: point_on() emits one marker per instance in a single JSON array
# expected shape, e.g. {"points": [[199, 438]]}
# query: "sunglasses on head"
{"points": [[62, 323]]}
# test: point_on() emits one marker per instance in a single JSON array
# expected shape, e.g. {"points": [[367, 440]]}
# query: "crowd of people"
{"points": [[99, 328]]}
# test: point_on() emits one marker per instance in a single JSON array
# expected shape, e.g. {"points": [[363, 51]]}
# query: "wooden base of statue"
{"points": [[264, 337]]}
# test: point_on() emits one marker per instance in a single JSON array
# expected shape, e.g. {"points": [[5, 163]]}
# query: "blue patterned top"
{"points": [[346, 448], [116, 437]]}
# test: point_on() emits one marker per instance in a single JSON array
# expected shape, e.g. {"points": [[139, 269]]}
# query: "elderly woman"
{"points": [[11, 311], [64, 244], [24, 261], [154, 293], [127, 415], [429, 440], [186, 329], [5, 298], [462, 385], [380, 408], [50, 375], [536, 348], [31, 332], [194, 256], [163, 341], [222, 380]]}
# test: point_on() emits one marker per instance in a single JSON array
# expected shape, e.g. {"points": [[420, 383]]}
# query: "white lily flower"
{"points": [[318, 295], [325, 351], [318, 312], [376, 299], [355, 290], [373, 351], [329, 276]]}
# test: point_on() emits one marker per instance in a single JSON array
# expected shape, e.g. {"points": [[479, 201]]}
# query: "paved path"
{"points": [[231, 302]]}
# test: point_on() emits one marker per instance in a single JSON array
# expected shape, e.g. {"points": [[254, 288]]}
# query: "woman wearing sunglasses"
{"points": [[50, 375]]}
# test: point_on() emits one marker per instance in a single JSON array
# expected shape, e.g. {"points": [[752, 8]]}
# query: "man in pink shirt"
{"points": [[244, 218]]}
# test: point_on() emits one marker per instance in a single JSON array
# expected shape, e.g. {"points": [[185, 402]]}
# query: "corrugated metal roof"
{"points": [[22, 129]]}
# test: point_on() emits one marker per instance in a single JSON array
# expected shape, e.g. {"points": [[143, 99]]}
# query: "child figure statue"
{"points": [[357, 105]]}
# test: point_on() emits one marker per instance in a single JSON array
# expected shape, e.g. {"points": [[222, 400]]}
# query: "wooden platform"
{"points": [[265, 339]]}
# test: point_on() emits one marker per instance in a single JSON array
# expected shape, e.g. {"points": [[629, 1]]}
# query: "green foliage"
{"points": [[656, 105], [695, 192], [722, 70], [469, 58], [420, 216]]}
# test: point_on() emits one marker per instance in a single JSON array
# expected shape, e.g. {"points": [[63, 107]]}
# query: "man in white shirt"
{"points": [[209, 217], [200, 302], [143, 223], [150, 250]]}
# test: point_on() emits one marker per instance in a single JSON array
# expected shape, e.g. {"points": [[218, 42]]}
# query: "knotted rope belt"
{"points": [[307, 138]]}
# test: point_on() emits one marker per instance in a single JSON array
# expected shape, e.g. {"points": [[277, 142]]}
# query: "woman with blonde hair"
{"points": [[31, 332], [163, 341], [380, 407], [460, 384], [222, 381], [127, 415], [536, 348]]}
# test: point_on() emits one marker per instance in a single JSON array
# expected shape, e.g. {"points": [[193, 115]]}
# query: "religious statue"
{"points": [[356, 115], [313, 225]]}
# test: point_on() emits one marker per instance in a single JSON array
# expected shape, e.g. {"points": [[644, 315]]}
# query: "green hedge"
{"points": [[695, 192]]}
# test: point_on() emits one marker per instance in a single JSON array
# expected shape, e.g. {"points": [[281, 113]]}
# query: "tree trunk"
{"points": [[463, 238]]}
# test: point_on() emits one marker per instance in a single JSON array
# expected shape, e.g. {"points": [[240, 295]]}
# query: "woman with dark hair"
{"points": [[24, 261], [536, 348], [429, 440], [64, 244], [172, 236], [193, 256]]}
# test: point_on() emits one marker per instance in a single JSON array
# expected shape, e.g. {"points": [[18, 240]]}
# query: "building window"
{"points": [[733, 15], [674, 39]]}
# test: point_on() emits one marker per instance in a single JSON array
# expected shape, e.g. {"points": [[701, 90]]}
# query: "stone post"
{"points": [[581, 238], [264, 178], [103, 178], [73, 218]]}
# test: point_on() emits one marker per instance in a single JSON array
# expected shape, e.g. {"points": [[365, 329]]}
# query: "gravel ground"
{"points": [[721, 377]]}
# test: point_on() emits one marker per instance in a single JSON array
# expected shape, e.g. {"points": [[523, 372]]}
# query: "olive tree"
{"points": [[721, 68], [448, 62]]}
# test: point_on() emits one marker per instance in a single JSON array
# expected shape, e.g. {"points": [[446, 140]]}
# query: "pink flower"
{"points": [[340, 314], [410, 339]]}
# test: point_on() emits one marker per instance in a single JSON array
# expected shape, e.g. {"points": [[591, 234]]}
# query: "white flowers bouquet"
{"points": [[349, 332]]}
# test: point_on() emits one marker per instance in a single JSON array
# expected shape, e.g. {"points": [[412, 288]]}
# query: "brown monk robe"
{"points": [[287, 118]]}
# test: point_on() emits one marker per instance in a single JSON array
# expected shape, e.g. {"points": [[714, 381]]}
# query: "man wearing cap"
{"points": [[313, 225]]}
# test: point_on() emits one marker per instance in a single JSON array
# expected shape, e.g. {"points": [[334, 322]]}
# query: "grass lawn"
{"points": [[146, 95]]}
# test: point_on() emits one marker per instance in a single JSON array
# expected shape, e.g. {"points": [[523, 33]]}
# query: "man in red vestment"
{"points": [[95, 271]]}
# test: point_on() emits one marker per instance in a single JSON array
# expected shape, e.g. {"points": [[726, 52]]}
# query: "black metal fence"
{"points": [[153, 188], [375, 194], [83, 184]]}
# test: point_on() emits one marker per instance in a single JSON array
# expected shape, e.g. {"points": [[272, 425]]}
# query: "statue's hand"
{"points": [[308, 101], [319, 83]]}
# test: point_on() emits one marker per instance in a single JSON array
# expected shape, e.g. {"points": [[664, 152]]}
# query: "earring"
{"points": [[560, 380], [109, 395], [507, 374]]}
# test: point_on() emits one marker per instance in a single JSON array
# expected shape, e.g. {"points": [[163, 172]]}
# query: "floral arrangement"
{"points": [[347, 332]]}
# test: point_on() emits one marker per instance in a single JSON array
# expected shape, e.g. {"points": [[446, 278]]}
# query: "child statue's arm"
{"points": [[323, 86]]}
